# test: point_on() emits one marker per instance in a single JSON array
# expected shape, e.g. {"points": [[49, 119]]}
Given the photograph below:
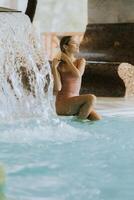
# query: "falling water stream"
{"points": [[24, 72]]}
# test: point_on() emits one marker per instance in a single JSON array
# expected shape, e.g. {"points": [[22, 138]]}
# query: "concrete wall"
{"points": [[110, 11]]}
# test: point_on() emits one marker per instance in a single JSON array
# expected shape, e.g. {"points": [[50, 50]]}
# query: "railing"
{"points": [[51, 41]]}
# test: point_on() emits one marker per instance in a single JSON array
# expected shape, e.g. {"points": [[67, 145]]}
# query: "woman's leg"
{"points": [[79, 105], [87, 106]]}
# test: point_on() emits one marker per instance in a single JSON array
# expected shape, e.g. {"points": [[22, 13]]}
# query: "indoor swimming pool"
{"points": [[47, 157], [61, 158]]}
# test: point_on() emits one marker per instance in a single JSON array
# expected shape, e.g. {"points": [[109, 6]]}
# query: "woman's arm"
{"points": [[81, 65], [71, 66], [56, 76]]}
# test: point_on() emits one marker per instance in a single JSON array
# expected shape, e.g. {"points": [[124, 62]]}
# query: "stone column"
{"points": [[108, 41], [31, 9]]}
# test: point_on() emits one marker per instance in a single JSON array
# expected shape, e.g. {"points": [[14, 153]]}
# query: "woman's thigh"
{"points": [[72, 105]]}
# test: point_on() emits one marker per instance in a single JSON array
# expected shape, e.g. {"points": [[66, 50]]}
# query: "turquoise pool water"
{"points": [[65, 159]]}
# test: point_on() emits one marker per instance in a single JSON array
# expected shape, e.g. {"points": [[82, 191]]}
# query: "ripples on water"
{"points": [[62, 158]]}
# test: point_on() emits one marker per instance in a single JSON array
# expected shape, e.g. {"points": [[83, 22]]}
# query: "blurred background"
{"points": [[55, 18]]}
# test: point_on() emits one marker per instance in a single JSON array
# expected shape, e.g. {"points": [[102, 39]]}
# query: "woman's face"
{"points": [[73, 45]]}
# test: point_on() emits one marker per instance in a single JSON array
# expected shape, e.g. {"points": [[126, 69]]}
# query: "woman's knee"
{"points": [[91, 98]]}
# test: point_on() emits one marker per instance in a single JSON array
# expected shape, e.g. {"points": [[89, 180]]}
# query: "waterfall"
{"points": [[25, 74]]}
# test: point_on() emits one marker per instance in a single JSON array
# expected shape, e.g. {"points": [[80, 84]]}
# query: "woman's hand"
{"points": [[64, 57], [55, 62]]}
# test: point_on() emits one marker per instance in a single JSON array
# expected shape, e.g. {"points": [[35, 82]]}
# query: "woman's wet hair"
{"points": [[64, 41]]}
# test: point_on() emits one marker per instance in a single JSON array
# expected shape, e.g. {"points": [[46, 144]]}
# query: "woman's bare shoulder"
{"points": [[81, 60]]}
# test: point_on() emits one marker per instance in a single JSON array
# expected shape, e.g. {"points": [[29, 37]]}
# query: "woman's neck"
{"points": [[71, 56]]}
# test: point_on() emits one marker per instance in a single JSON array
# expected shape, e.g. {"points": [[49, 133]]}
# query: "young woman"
{"points": [[67, 72]]}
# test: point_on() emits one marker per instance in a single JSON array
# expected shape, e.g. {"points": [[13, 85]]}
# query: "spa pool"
{"points": [[65, 159]]}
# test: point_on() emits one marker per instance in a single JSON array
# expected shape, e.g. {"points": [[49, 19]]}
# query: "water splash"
{"points": [[25, 77]]}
